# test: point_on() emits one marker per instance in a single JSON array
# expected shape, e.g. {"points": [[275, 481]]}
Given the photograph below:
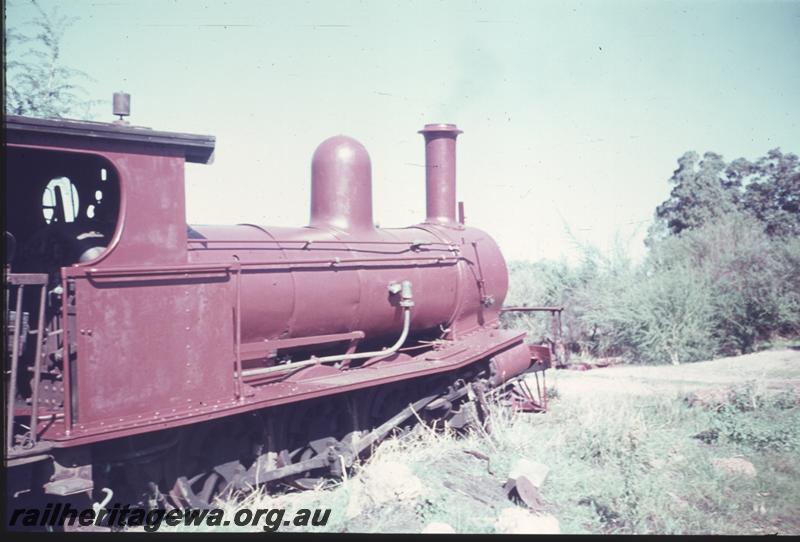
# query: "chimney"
{"points": [[341, 185], [440, 172]]}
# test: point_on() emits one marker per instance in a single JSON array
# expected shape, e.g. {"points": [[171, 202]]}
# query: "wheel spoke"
{"points": [[208, 487], [183, 491]]}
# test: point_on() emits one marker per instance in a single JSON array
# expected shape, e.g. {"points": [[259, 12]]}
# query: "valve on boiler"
{"points": [[404, 289]]}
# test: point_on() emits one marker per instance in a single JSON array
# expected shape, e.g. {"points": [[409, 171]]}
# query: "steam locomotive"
{"points": [[166, 364]]}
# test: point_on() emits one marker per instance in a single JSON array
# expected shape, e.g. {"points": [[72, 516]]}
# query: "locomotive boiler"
{"points": [[169, 363]]}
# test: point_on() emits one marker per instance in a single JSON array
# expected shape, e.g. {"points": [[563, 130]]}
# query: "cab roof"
{"points": [[79, 134]]}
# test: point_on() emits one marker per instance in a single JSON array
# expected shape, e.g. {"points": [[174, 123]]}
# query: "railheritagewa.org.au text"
{"points": [[61, 515]]}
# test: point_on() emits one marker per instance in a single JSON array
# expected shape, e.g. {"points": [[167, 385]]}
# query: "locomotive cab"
{"points": [[66, 208], [78, 195]]}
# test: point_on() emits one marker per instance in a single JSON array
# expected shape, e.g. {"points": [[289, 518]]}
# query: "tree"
{"points": [[772, 193], [708, 190], [702, 193], [38, 84], [736, 226]]}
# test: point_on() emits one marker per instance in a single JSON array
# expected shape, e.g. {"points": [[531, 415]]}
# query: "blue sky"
{"points": [[574, 113]]}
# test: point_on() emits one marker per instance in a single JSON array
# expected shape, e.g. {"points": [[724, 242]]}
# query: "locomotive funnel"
{"points": [[341, 185], [440, 172]]}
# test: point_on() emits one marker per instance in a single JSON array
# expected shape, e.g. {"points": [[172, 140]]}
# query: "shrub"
{"points": [[661, 315], [722, 288], [753, 279]]}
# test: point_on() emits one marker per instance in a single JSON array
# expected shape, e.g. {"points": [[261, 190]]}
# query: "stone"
{"points": [[735, 466], [712, 398], [536, 473], [438, 527], [515, 520], [522, 491], [386, 481], [382, 482]]}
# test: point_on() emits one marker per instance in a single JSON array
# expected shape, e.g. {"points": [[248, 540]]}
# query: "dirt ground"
{"points": [[773, 368]]}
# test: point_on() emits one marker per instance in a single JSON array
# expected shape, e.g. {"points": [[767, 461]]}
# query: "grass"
{"points": [[633, 466], [618, 464]]}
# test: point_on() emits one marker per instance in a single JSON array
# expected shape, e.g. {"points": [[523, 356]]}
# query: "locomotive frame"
{"points": [[279, 336]]}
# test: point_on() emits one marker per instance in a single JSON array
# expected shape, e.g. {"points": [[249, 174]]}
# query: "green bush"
{"points": [[756, 420], [753, 279], [722, 288], [660, 316], [547, 283]]}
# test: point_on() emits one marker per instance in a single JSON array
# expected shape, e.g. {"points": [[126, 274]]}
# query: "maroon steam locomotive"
{"points": [[169, 363]]}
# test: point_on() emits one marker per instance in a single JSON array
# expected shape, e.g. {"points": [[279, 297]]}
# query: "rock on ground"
{"points": [[535, 472], [735, 465], [708, 398], [514, 520], [382, 482], [438, 527]]}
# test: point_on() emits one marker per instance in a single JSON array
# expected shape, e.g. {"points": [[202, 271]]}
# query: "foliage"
{"points": [[551, 284], [661, 316], [612, 308], [718, 289], [702, 192], [773, 193], [752, 279], [751, 418], [708, 190], [38, 84], [722, 274]]}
